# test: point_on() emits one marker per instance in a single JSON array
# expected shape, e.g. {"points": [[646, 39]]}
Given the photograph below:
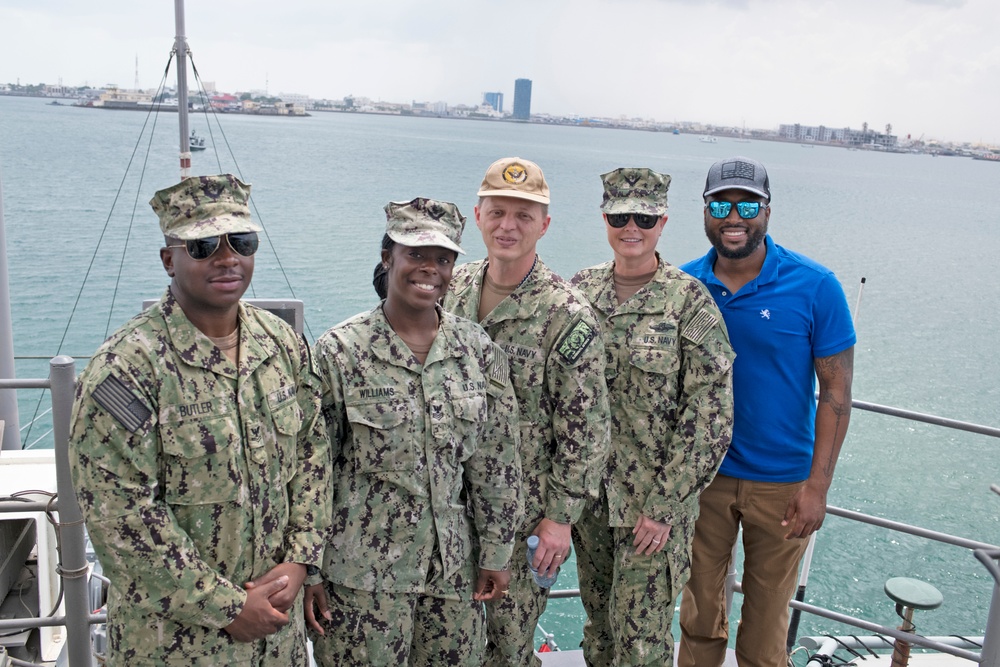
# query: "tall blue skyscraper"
{"points": [[494, 100], [522, 99]]}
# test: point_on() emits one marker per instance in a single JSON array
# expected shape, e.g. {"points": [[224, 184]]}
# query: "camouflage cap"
{"points": [[514, 177], [738, 173], [635, 190], [425, 222], [203, 206]]}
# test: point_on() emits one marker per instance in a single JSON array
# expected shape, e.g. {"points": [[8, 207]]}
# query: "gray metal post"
{"points": [[8, 397], [991, 638], [62, 373], [731, 583]]}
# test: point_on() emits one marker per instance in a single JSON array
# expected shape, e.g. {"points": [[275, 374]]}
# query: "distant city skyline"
{"points": [[927, 67]]}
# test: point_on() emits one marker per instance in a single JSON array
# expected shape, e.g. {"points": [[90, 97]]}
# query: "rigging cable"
{"points": [[239, 172], [100, 239]]}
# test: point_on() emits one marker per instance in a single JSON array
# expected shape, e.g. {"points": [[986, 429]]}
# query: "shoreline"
{"points": [[945, 150]]}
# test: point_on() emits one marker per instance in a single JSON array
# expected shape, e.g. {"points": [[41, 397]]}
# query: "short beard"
{"points": [[755, 237]]}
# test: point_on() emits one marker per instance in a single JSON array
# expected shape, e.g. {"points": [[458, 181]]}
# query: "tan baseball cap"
{"points": [[514, 177]]}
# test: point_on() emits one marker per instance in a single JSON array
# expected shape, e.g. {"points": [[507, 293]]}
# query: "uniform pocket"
{"points": [[287, 424], [383, 436], [199, 462], [654, 377], [470, 415]]}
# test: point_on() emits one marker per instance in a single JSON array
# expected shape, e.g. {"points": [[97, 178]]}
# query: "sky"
{"points": [[930, 68]]}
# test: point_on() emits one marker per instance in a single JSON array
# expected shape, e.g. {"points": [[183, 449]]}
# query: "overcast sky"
{"points": [[929, 67]]}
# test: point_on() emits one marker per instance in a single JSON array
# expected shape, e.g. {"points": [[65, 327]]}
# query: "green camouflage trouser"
{"points": [[171, 643], [629, 599], [510, 622], [381, 629]]}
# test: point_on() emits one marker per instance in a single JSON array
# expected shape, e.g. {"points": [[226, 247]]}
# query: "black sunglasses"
{"points": [[642, 220], [244, 243]]}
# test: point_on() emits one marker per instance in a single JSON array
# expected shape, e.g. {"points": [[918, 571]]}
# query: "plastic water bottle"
{"points": [[543, 582]]}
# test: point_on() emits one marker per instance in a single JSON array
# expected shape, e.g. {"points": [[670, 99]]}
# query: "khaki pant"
{"points": [[770, 573]]}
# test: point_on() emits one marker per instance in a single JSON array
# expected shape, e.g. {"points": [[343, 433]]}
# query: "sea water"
{"points": [[924, 231]]}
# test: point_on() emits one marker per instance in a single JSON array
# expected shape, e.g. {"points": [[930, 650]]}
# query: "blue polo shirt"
{"points": [[793, 312]]}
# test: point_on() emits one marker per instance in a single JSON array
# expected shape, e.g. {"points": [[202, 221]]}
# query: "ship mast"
{"points": [[181, 50]]}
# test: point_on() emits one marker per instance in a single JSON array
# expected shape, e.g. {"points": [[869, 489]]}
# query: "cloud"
{"points": [[926, 66]]}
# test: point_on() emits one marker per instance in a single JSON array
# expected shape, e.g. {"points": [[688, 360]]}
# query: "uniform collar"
{"points": [[196, 349], [514, 307], [387, 346]]}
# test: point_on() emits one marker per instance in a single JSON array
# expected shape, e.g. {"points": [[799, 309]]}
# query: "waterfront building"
{"points": [[522, 99], [494, 100], [847, 136]]}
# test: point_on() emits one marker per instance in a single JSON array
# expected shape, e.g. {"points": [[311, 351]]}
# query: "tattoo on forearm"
{"points": [[838, 372]]}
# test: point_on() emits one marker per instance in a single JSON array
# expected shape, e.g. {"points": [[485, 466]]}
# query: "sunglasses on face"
{"points": [[244, 243], [748, 210], [642, 220]]}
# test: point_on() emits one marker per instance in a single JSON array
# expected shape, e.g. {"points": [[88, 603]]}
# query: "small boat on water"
{"points": [[709, 140], [195, 142]]}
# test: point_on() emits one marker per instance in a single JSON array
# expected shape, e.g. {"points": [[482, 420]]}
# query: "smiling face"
{"points": [[511, 228], [418, 276], [633, 246], [732, 236], [207, 290]]}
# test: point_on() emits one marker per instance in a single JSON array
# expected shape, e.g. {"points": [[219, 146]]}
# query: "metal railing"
{"points": [[987, 554], [74, 567]]}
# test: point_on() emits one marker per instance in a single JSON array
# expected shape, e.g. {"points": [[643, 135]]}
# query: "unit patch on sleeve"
{"points": [[575, 342], [114, 396], [699, 325]]}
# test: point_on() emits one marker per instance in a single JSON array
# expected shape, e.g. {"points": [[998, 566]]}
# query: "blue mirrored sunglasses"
{"points": [[748, 210]]}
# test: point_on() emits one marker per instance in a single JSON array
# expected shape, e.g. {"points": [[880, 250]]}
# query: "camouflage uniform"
{"points": [[552, 338], [421, 454], [196, 476], [669, 377]]}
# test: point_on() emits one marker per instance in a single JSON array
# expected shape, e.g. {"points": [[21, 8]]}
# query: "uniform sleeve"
{"points": [[327, 352], [704, 423], [115, 465], [580, 418], [493, 472], [333, 413], [310, 490]]}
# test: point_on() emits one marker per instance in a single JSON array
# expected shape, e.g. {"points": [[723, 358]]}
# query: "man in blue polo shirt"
{"points": [[789, 324]]}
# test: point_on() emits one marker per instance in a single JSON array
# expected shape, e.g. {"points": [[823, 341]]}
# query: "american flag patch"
{"points": [[114, 396], [699, 325], [738, 169], [498, 370]]}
